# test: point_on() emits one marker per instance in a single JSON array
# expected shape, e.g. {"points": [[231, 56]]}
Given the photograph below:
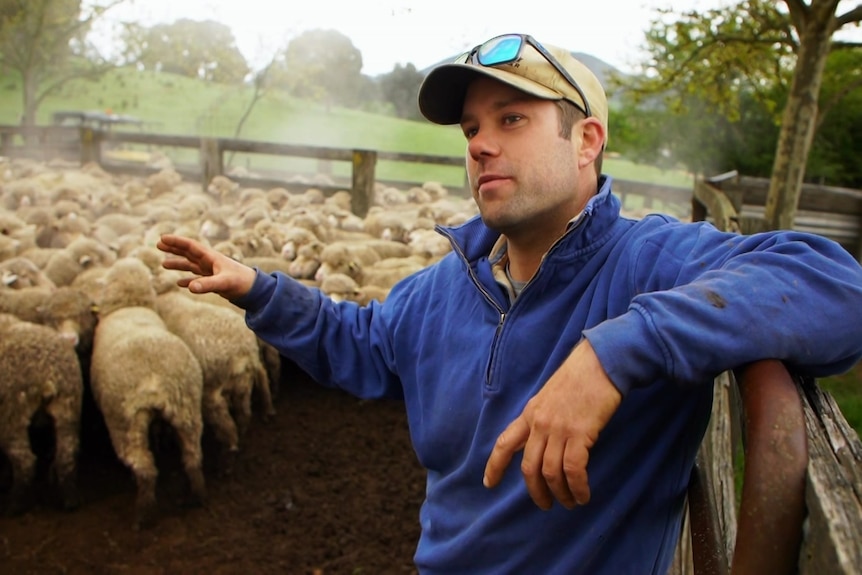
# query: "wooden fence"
{"points": [[829, 541], [106, 147], [737, 203]]}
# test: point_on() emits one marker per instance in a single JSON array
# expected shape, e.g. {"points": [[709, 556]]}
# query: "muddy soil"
{"points": [[329, 486]]}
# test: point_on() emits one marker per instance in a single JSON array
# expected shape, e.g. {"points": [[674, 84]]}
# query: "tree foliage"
{"points": [[195, 49], [835, 153], [400, 87], [754, 53], [321, 65], [45, 42]]}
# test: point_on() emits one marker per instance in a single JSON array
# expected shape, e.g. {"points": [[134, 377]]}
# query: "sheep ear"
{"points": [[9, 278], [353, 266]]}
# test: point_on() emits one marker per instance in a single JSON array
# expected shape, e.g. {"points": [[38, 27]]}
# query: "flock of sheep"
{"points": [[86, 308]]}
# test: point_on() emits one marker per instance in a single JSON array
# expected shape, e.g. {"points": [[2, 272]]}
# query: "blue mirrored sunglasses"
{"points": [[507, 49]]}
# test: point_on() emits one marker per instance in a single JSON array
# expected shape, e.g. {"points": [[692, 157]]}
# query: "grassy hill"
{"points": [[176, 105]]}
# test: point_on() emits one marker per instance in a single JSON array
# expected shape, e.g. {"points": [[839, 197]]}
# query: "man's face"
{"points": [[522, 173]]}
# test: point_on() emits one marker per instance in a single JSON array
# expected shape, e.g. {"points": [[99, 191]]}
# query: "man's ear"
{"points": [[592, 140]]}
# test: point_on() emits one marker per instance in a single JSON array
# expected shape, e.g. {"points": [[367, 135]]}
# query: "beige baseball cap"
{"points": [[441, 96]]}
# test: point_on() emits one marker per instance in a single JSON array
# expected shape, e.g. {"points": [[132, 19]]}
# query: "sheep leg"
{"points": [[241, 408], [261, 385], [23, 463], [66, 428], [271, 360], [217, 414], [189, 437], [133, 449]]}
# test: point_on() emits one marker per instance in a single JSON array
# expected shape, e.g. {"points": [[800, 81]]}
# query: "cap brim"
{"points": [[441, 96]]}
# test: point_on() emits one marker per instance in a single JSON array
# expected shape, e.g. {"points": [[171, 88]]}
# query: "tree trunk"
{"points": [[30, 103], [800, 119]]}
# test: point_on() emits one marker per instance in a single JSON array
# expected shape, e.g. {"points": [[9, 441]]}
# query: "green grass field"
{"points": [[176, 105], [847, 391]]}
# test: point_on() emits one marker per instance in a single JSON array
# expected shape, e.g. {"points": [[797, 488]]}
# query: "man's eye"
{"points": [[470, 132], [512, 118]]}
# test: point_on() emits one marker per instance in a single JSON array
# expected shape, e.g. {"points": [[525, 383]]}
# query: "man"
{"points": [[557, 338]]}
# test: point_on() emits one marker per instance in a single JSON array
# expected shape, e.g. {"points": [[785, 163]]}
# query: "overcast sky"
{"points": [[422, 32]]}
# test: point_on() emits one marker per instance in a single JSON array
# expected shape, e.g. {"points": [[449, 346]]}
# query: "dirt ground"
{"points": [[329, 486]]}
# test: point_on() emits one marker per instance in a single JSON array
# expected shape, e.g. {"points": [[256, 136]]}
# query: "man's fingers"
{"points": [[533, 464], [180, 264], [513, 439], [575, 462], [176, 245], [554, 473]]}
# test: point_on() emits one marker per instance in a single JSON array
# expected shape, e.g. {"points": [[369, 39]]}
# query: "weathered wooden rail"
{"points": [[89, 145], [737, 203], [814, 516]]}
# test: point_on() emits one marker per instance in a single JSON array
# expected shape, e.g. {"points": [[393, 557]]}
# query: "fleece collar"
{"points": [[473, 240]]}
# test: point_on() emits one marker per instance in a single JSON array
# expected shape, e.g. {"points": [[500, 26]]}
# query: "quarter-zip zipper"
{"points": [[492, 352]]}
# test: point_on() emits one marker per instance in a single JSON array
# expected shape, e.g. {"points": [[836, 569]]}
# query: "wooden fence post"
{"points": [[91, 146], [210, 160], [6, 142], [362, 196]]}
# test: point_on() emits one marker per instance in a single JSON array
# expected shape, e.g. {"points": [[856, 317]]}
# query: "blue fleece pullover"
{"points": [[666, 306]]}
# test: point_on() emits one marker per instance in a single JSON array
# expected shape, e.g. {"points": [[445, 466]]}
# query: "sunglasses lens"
{"points": [[499, 50]]}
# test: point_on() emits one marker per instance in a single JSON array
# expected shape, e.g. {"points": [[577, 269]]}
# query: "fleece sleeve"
{"points": [[339, 344], [708, 301]]}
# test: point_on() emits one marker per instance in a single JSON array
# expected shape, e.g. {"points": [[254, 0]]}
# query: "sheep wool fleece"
{"points": [[667, 306]]}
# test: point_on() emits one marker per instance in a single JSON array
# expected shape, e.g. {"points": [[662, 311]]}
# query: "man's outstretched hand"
{"points": [[556, 430], [215, 271]]}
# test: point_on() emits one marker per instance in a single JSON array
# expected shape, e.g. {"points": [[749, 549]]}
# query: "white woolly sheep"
{"points": [[25, 303], [72, 313], [229, 356], [269, 264], [294, 239], [429, 243], [307, 260], [141, 372], [269, 355], [90, 282], [351, 258], [9, 247], [436, 190], [20, 272], [223, 189], [39, 376], [389, 225], [341, 287], [341, 199], [163, 181], [252, 244], [278, 197]]}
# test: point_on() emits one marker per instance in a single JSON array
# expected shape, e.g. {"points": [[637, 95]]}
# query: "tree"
{"points": [[746, 49], [835, 152], [400, 87], [196, 49], [45, 42], [320, 65]]}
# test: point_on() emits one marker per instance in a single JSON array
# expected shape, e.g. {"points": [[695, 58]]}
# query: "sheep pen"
{"points": [[327, 485]]}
